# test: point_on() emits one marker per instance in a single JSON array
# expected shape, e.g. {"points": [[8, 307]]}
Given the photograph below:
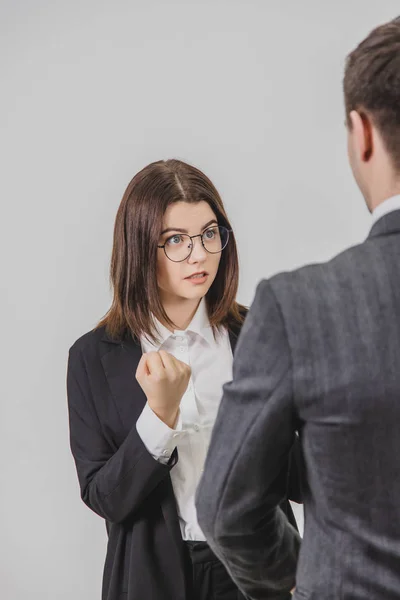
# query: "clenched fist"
{"points": [[164, 380]]}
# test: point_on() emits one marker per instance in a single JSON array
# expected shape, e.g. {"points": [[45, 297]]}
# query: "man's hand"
{"points": [[164, 380]]}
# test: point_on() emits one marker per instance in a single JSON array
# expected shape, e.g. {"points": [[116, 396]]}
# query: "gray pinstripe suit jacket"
{"points": [[319, 353]]}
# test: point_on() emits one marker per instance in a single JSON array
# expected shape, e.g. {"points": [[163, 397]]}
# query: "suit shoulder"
{"points": [[87, 344]]}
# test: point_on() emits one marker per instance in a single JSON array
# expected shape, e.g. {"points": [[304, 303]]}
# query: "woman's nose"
{"points": [[198, 252]]}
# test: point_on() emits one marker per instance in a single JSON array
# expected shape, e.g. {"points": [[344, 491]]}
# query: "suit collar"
{"points": [[110, 340], [386, 225], [385, 208]]}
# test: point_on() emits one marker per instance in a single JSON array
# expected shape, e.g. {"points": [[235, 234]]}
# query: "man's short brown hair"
{"points": [[372, 83]]}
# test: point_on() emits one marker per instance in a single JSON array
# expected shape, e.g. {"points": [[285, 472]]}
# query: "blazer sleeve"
{"points": [[246, 472], [114, 484]]}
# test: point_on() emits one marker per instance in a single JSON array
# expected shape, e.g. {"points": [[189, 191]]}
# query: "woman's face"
{"points": [[175, 279]]}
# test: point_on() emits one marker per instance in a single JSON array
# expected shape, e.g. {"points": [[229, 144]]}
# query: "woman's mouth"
{"points": [[200, 277]]}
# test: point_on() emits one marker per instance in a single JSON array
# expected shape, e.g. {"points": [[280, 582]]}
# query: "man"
{"points": [[320, 354]]}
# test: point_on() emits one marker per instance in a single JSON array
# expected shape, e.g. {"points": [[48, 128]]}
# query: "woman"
{"points": [[145, 385]]}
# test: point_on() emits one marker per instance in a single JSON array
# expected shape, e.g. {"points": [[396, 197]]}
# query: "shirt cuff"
{"points": [[159, 439]]}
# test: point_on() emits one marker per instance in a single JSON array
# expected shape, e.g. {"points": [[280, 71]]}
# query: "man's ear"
{"points": [[362, 131]]}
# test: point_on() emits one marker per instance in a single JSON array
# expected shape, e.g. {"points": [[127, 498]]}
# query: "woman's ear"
{"points": [[361, 129]]}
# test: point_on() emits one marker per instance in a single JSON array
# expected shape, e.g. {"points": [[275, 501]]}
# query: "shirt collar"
{"points": [[199, 324], [385, 207]]}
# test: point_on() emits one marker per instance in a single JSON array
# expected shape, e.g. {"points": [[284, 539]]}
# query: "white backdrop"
{"points": [[91, 91]]}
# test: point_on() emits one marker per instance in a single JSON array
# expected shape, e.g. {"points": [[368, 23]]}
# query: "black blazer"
{"points": [[118, 477]]}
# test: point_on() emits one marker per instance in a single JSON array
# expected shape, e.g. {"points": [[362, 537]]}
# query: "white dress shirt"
{"points": [[211, 363], [385, 207]]}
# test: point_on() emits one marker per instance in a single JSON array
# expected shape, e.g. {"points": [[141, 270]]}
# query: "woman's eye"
{"points": [[209, 234], [175, 239]]}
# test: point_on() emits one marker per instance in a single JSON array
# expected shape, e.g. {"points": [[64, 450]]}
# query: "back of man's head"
{"points": [[372, 84]]}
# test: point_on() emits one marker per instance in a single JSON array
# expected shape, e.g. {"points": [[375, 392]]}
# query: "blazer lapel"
{"points": [[120, 363], [235, 331], [233, 339]]}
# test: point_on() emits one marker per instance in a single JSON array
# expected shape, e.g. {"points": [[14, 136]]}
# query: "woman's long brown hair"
{"points": [[137, 230]]}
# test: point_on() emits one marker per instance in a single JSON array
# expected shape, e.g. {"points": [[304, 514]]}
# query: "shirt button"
{"points": [[196, 428], [182, 349], [165, 452]]}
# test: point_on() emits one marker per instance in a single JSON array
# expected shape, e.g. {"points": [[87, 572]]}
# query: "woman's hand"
{"points": [[164, 380]]}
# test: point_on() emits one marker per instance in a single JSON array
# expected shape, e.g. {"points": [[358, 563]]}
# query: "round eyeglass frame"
{"points": [[200, 235]]}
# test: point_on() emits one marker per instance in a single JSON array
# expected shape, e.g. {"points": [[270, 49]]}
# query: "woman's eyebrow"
{"points": [[185, 230]]}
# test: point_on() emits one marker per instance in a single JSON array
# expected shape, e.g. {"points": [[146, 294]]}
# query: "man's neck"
{"points": [[377, 198]]}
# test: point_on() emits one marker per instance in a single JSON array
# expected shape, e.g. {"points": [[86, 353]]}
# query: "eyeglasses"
{"points": [[179, 246]]}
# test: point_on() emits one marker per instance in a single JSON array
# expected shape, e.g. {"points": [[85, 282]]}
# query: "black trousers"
{"points": [[206, 576]]}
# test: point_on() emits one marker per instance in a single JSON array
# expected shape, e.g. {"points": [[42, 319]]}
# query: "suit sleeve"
{"points": [[246, 471], [114, 484]]}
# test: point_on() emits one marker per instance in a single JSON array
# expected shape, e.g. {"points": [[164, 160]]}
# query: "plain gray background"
{"points": [[250, 92]]}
